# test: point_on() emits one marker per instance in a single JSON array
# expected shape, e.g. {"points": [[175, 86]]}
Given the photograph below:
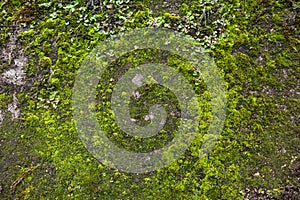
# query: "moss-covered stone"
{"points": [[255, 45]]}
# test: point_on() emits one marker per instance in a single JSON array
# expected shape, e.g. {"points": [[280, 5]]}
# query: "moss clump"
{"points": [[5, 99]]}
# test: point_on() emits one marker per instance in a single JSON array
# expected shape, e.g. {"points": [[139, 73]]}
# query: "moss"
{"points": [[25, 14], [170, 17], [184, 9], [260, 132], [45, 61], [4, 100]]}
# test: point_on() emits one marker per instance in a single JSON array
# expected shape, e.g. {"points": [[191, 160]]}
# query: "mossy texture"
{"points": [[255, 45]]}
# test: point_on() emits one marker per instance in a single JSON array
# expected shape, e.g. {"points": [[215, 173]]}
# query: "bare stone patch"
{"points": [[1, 117], [13, 108], [13, 77]]}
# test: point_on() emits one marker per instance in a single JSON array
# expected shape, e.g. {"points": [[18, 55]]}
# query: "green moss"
{"points": [[184, 9], [24, 14], [45, 61], [170, 17], [4, 100], [261, 119]]}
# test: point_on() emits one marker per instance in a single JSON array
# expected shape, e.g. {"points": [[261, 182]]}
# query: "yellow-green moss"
{"points": [[262, 111]]}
